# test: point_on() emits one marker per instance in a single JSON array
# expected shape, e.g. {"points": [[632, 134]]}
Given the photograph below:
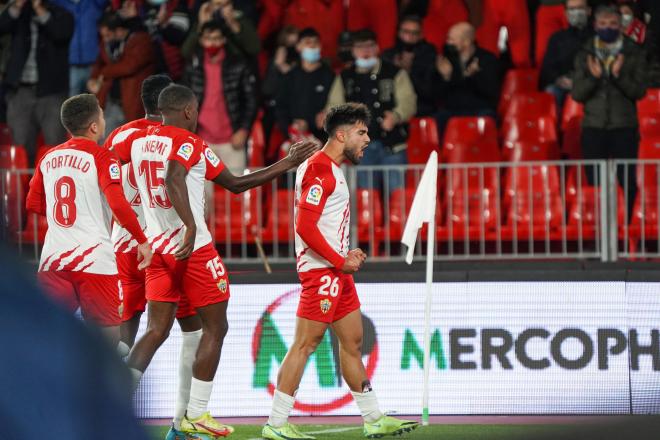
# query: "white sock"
{"points": [[137, 376], [200, 394], [186, 359], [282, 406], [368, 404], [123, 349]]}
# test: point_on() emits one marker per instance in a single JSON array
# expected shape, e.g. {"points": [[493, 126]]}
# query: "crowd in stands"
{"points": [[277, 65]]}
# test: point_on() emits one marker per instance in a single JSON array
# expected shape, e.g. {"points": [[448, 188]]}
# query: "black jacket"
{"points": [[560, 54], [52, 48], [610, 102], [425, 54], [478, 92], [302, 95], [239, 84]]}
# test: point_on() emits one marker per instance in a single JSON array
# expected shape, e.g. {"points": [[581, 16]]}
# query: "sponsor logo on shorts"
{"points": [[222, 285], [211, 157], [325, 305], [115, 171], [185, 151], [314, 195]]}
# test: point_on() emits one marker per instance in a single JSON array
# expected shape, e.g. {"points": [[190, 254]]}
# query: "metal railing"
{"points": [[493, 210]]}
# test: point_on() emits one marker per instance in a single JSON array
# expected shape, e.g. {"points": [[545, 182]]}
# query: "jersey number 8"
{"points": [[64, 211]]}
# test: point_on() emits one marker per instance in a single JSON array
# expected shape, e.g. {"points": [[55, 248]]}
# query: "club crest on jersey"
{"points": [[115, 171], [325, 305], [314, 195], [185, 151], [222, 285], [212, 158]]}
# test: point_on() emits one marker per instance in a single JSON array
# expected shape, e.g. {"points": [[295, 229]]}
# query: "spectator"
{"points": [[84, 48], [440, 16], [390, 96], [37, 75], [632, 21], [556, 74], [225, 87], [466, 78], [414, 55], [326, 16], [550, 18], [241, 38], [304, 90], [514, 16], [344, 50], [126, 59], [610, 76], [379, 16]]}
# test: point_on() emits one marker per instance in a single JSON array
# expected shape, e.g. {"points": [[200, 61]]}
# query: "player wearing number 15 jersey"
{"points": [[74, 185], [325, 267], [171, 165]]}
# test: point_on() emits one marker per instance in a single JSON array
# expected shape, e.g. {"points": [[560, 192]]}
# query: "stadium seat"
{"points": [[369, 217], [542, 129], [35, 229], [470, 130], [5, 135], [571, 127], [532, 105], [517, 81], [523, 151], [41, 152], [15, 179], [649, 126], [280, 211], [648, 175], [422, 140], [645, 221], [256, 150], [236, 216], [400, 202], [584, 213], [650, 104]]}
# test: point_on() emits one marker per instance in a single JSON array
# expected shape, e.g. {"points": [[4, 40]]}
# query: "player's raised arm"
{"points": [[298, 153]]}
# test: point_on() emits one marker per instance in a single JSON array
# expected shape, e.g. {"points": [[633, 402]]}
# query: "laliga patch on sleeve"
{"points": [[185, 151], [115, 171], [314, 195], [211, 157]]}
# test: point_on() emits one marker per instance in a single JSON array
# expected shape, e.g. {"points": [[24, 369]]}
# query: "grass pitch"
{"points": [[431, 432]]}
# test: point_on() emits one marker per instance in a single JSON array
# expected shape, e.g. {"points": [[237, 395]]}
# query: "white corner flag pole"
{"points": [[423, 211]]}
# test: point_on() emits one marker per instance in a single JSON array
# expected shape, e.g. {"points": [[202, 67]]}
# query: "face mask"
{"points": [[212, 50], [577, 17], [450, 51], [310, 54], [366, 63], [608, 35], [626, 20], [157, 2]]}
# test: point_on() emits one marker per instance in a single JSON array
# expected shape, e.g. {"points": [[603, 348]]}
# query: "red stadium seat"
{"points": [[649, 149], [585, 210], [571, 127], [5, 135], [279, 217], [369, 217], [422, 140], [470, 130], [648, 175], [517, 81], [13, 166], [256, 146], [650, 104], [236, 216], [649, 126], [524, 151], [539, 130], [35, 229], [41, 152], [400, 202], [645, 221], [532, 105]]}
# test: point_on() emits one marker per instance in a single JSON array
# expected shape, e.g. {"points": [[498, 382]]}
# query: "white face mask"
{"points": [[626, 20], [366, 63]]}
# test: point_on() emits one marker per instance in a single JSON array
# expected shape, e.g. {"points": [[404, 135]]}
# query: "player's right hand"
{"points": [[187, 244], [354, 261], [300, 151], [144, 255]]}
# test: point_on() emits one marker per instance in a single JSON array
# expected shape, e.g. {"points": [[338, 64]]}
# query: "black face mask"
{"points": [[451, 52]]}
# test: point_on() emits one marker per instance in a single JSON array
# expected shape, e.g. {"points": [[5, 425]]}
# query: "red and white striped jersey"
{"points": [[321, 188], [122, 240], [71, 178], [150, 151]]}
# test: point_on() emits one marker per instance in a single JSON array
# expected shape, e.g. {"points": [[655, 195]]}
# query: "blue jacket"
{"points": [[84, 46]]}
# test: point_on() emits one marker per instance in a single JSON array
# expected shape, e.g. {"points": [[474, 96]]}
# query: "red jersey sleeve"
{"points": [[317, 185], [36, 198], [122, 149], [186, 150], [109, 140], [214, 165], [108, 168]]}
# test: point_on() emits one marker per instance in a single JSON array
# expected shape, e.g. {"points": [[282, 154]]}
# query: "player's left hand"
{"points": [[300, 151], [144, 255], [187, 244]]}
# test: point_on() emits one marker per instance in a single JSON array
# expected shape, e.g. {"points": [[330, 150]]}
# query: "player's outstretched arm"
{"points": [[298, 153], [177, 190]]}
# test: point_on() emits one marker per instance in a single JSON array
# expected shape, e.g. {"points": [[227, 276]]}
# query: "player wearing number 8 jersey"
{"points": [[171, 165], [325, 267], [74, 185]]}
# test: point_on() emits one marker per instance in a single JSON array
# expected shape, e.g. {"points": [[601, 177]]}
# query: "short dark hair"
{"points": [[308, 32], [413, 18], [346, 114], [607, 9], [211, 26], [151, 88], [364, 35], [174, 98], [78, 112]]}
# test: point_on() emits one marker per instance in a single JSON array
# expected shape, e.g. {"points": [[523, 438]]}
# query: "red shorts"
{"points": [[133, 285], [98, 296], [327, 295], [201, 278]]}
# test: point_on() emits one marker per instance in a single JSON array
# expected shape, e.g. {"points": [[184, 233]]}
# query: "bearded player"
{"points": [[325, 267]]}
